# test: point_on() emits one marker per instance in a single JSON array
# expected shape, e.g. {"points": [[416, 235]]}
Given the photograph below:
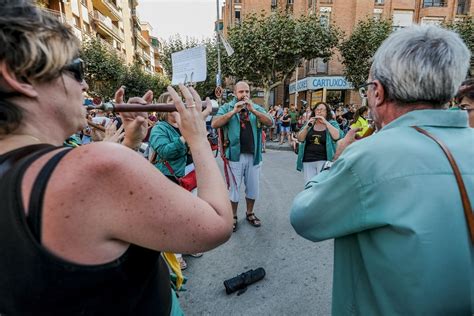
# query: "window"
{"points": [[434, 3], [379, 2], [402, 19], [290, 1], [77, 21], [377, 14], [317, 65], [321, 66], [274, 3], [432, 20], [237, 16], [325, 16], [462, 7], [87, 28]]}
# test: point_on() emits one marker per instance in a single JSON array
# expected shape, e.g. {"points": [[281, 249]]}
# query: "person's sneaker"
{"points": [[196, 255], [182, 263]]}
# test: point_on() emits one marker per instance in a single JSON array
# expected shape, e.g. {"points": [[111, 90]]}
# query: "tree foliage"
{"points": [[359, 48], [268, 48], [104, 68], [465, 28], [106, 72], [138, 82]]}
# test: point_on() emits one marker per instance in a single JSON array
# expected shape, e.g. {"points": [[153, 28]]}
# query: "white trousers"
{"points": [[310, 169]]}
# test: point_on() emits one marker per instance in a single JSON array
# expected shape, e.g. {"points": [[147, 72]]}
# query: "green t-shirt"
{"points": [[294, 117]]}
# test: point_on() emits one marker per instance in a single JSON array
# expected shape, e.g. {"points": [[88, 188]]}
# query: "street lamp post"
{"points": [[296, 83]]}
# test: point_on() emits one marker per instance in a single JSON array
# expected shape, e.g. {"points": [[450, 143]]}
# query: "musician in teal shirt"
{"points": [[391, 201], [242, 121]]}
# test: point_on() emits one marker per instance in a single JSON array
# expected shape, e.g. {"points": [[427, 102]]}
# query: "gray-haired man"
{"points": [[391, 200]]}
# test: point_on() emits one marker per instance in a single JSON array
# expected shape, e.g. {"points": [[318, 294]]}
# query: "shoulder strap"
{"points": [[8, 160], [168, 166], [37, 193], [462, 189]]}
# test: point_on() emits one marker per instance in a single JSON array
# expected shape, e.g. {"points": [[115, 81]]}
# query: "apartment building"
{"points": [[318, 80], [114, 22]]}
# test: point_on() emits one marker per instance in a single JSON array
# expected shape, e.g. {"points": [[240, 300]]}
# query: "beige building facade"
{"points": [[319, 81], [114, 22]]}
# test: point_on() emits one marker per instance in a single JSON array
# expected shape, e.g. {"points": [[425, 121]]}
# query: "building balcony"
{"points": [[58, 15], [141, 39], [105, 26], [111, 48], [108, 8], [159, 69], [114, 9], [146, 57], [135, 15], [434, 3]]}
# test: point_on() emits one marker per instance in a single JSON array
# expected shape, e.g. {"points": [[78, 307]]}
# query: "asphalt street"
{"points": [[298, 277]]}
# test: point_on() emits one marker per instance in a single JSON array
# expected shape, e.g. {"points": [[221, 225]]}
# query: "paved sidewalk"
{"points": [[277, 146]]}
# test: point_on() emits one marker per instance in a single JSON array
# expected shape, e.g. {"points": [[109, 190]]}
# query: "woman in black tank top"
{"points": [[318, 137], [81, 230]]}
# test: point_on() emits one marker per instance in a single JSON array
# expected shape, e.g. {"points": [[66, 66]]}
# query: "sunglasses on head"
{"points": [[76, 67]]}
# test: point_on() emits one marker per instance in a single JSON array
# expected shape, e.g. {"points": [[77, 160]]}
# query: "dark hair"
{"points": [[328, 110], [466, 90], [359, 112], [35, 46]]}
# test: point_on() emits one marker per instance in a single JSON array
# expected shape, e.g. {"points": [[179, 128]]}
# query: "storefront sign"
{"points": [[315, 83]]}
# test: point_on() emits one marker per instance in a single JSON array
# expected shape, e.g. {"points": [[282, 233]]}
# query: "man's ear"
{"points": [[14, 84], [379, 93]]}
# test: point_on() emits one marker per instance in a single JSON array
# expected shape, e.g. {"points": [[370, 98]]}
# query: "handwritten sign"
{"points": [[189, 65]]}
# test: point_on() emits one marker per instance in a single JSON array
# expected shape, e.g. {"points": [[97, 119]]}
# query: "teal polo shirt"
{"points": [[232, 132], [393, 206]]}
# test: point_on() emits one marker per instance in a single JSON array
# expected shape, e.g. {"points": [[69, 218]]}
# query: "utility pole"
{"points": [[218, 76], [296, 83]]}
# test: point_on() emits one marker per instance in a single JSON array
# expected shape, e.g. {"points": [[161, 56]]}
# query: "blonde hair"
{"points": [[163, 98], [35, 46]]}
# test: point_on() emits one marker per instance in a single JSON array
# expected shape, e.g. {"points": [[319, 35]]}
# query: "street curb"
{"points": [[276, 146]]}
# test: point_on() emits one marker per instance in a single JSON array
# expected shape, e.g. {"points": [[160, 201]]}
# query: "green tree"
{"points": [[465, 28], [268, 48], [138, 82], [359, 48], [105, 70]]}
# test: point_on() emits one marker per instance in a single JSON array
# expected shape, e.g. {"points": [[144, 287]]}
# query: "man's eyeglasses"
{"points": [[363, 90], [76, 67], [466, 107], [364, 85]]}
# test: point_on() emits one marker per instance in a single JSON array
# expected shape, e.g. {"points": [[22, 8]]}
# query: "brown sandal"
{"points": [[253, 220], [234, 226]]}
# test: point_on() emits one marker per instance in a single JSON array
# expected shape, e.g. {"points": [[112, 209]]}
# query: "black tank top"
{"points": [[35, 282]]}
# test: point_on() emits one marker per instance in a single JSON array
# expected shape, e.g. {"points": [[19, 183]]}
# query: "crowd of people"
{"points": [[403, 244]]}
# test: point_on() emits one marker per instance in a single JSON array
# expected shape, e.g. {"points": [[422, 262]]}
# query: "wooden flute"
{"points": [[131, 107]]}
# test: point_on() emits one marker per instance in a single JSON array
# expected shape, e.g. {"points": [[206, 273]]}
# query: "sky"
{"points": [[193, 18]]}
